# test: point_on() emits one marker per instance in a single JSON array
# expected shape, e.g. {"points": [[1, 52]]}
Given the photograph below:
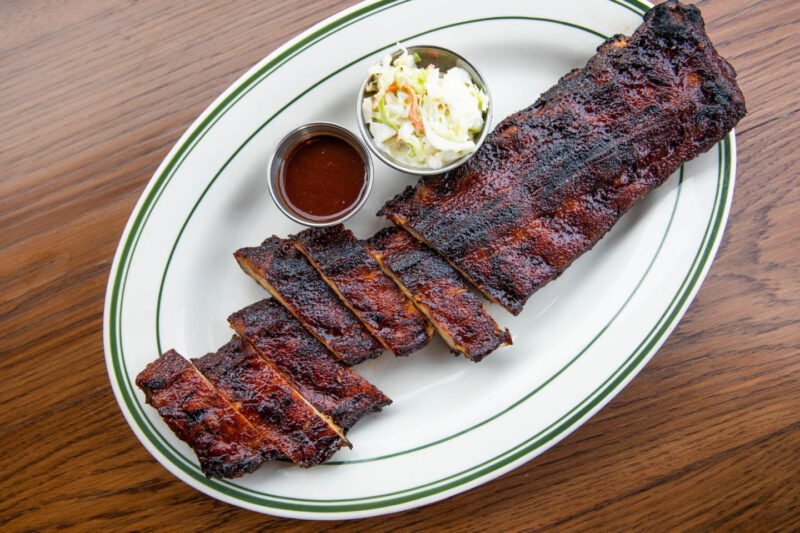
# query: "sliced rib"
{"points": [[227, 445], [439, 292], [285, 272], [270, 404], [334, 388], [344, 263]]}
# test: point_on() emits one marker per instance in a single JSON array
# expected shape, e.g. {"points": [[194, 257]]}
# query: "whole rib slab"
{"points": [[552, 179]]}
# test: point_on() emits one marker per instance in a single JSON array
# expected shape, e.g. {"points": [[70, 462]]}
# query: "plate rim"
{"points": [[686, 294]]}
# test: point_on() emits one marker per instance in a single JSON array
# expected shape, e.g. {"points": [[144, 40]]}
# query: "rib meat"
{"points": [[334, 388], [552, 179], [439, 292], [226, 444], [270, 404], [284, 271], [344, 263]]}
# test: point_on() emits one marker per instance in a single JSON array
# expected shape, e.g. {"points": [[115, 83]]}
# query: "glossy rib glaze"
{"points": [[439, 291], [226, 444], [270, 403], [344, 263], [334, 388], [285, 272]]}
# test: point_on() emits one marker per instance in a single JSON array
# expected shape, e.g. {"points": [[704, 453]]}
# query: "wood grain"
{"points": [[95, 93]]}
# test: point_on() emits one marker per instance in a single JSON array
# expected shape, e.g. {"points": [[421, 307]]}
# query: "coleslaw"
{"points": [[420, 116]]}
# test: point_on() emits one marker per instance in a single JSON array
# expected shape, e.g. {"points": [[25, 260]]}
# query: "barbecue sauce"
{"points": [[322, 178]]}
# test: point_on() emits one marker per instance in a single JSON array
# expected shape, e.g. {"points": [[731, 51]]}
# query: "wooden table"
{"points": [[92, 96]]}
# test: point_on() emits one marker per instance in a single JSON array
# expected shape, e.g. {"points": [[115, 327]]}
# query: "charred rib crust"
{"points": [[552, 179], [226, 444], [281, 267], [344, 262], [334, 388], [269, 403], [440, 291]]}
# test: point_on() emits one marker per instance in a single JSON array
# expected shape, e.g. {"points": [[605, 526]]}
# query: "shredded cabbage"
{"points": [[421, 117]]}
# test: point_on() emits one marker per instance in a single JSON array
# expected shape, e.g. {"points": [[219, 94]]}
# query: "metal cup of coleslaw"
{"points": [[444, 60]]}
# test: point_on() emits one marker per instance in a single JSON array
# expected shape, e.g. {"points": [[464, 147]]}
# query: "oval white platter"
{"points": [[454, 424]]}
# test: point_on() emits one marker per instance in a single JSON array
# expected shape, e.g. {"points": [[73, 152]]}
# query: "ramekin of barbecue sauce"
{"points": [[320, 174]]}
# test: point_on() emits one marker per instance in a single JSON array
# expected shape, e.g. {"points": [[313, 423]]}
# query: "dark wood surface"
{"points": [[92, 96]]}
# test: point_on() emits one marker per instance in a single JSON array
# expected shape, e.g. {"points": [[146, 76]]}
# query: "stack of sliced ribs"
{"points": [[283, 387], [545, 186], [360, 297]]}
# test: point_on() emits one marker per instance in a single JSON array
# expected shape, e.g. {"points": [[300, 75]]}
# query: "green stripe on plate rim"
{"points": [[537, 441]]}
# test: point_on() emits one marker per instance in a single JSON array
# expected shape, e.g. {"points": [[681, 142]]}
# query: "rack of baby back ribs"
{"points": [[545, 186]]}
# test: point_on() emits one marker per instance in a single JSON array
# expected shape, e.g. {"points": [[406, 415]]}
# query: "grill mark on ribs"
{"points": [[439, 292], [552, 179], [285, 272], [227, 445], [344, 263], [334, 388], [270, 404]]}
